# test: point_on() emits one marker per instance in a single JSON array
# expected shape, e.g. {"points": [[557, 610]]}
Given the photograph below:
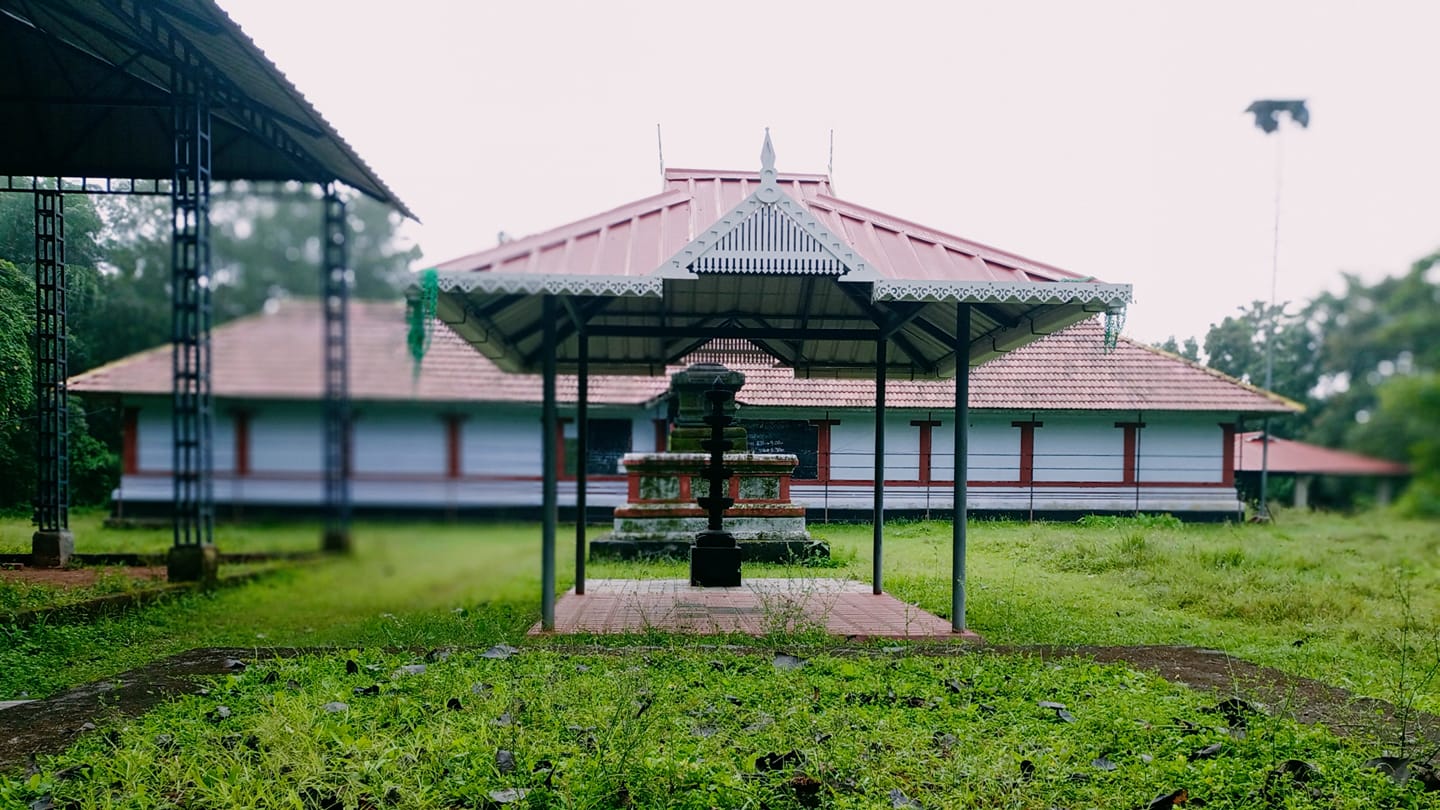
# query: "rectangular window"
{"points": [[609, 440], [795, 436]]}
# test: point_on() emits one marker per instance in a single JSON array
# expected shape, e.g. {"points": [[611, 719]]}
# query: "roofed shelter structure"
{"points": [[162, 98], [825, 286], [1304, 462]]}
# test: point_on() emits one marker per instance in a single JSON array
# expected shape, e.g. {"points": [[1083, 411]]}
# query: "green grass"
{"points": [[92, 537], [1342, 587], [688, 728]]}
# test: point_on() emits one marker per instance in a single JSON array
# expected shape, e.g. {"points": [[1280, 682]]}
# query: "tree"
{"points": [[1190, 350], [1372, 333], [17, 386], [1408, 416], [1236, 346]]}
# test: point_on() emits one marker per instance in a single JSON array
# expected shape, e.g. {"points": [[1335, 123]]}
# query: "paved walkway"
{"points": [[760, 606]]}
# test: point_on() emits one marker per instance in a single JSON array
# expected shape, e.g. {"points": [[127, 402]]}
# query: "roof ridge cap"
{"points": [[1217, 373]]}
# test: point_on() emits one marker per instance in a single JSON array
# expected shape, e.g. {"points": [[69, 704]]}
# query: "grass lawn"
{"points": [[1351, 601], [691, 728]]}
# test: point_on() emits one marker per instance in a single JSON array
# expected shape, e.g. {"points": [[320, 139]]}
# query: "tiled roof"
{"points": [[635, 238], [1069, 370], [278, 356], [1289, 456]]}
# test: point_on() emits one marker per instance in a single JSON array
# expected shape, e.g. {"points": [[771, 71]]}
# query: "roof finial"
{"points": [[767, 156]]}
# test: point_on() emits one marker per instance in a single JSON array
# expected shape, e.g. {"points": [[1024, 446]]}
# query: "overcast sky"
{"points": [[1103, 137]]}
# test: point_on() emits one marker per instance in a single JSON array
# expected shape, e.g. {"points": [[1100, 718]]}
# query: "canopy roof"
{"points": [[810, 278], [86, 89], [1290, 456], [275, 356]]}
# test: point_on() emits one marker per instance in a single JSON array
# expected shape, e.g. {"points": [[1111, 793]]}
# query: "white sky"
{"points": [[1103, 137]]}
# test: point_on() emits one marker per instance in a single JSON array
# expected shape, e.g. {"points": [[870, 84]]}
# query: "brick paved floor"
{"points": [[760, 606]]}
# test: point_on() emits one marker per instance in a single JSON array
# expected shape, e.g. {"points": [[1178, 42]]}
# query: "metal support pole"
{"points": [[879, 518], [335, 300], [961, 504], [52, 543], [582, 456], [549, 423], [193, 557]]}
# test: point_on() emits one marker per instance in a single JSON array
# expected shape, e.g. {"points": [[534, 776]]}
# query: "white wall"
{"points": [[390, 439], [1181, 448], [1079, 448], [286, 437], [501, 441], [994, 448], [852, 446]]}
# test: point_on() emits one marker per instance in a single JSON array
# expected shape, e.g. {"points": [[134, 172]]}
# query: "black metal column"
{"points": [[961, 494], [879, 518], [582, 455], [193, 556], [335, 299], [549, 425], [52, 543]]}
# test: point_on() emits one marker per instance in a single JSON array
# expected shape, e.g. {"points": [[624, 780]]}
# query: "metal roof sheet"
{"points": [[773, 257], [278, 356], [634, 238], [1290, 456], [87, 93]]}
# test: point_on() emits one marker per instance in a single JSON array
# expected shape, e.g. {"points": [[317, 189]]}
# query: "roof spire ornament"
{"points": [[769, 189]]}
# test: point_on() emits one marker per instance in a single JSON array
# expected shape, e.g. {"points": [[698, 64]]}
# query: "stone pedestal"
{"points": [[661, 518], [197, 563], [51, 549]]}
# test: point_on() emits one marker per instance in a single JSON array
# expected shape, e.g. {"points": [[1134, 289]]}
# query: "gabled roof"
{"points": [[278, 356], [636, 238], [778, 259], [1290, 456], [86, 88]]}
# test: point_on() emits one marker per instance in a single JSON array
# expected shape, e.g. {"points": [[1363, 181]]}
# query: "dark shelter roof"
{"points": [[85, 91]]}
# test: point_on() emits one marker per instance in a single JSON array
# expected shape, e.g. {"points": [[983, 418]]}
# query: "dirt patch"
{"points": [[79, 577], [50, 726]]}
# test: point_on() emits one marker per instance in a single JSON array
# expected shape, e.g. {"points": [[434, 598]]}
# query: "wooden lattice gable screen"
{"points": [[768, 232]]}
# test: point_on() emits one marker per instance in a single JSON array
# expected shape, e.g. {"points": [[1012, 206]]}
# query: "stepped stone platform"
{"points": [[760, 606]]}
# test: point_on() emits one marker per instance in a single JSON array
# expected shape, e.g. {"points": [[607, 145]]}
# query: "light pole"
{"points": [[1266, 112]]}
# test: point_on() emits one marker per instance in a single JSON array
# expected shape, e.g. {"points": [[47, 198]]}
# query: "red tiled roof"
{"points": [[1289, 456], [278, 356], [636, 238]]}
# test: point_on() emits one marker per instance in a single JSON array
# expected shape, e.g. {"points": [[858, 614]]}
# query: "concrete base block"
{"points": [[51, 549], [198, 563], [715, 561], [337, 540]]}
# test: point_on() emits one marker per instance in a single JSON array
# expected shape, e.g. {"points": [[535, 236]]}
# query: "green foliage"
{"points": [[1409, 416], [1190, 350], [686, 728], [17, 385], [1236, 346]]}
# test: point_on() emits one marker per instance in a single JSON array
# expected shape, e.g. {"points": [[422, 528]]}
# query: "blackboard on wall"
{"points": [[794, 436]]}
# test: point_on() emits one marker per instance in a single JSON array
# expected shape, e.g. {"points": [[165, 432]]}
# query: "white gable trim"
{"points": [[740, 243]]}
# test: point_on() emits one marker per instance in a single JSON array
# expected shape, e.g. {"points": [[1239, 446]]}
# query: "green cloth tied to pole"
{"points": [[421, 316]]}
